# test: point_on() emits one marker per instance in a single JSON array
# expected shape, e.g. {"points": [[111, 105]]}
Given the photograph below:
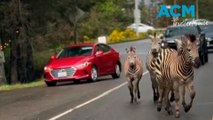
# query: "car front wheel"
{"points": [[202, 59], [117, 71], [94, 74], [206, 57], [50, 84]]}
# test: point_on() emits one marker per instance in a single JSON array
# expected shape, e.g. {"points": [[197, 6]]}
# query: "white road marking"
{"points": [[90, 101]]}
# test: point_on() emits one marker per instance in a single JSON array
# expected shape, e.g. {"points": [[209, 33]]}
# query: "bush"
{"points": [[126, 35]]}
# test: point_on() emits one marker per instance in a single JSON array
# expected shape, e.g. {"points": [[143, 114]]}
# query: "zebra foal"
{"points": [[133, 69]]}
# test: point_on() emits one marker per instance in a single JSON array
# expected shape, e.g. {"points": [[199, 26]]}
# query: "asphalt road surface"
{"points": [[106, 99]]}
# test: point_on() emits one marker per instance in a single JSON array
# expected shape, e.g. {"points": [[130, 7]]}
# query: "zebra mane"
{"points": [[191, 37], [132, 49]]}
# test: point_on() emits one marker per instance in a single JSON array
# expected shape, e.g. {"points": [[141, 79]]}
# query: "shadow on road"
{"points": [[67, 83]]}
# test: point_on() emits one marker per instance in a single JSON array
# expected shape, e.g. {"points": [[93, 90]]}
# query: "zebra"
{"points": [[150, 63], [177, 72], [133, 69]]}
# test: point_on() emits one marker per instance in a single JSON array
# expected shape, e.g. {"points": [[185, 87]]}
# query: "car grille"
{"points": [[69, 72], [172, 45]]}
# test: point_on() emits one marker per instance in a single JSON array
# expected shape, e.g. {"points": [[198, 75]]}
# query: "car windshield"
{"points": [[75, 51], [207, 28], [178, 31]]}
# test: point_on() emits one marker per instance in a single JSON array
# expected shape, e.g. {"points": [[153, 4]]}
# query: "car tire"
{"points": [[94, 74], [117, 71], [206, 57], [50, 84], [76, 81], [202, 60]]}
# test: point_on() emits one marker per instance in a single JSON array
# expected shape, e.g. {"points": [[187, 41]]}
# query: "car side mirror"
{"points": [[99, 53], [53, 57], [202, 35]]}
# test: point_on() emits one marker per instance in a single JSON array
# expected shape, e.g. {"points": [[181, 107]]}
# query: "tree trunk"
{"points": [[2, 72], [13, 62]]}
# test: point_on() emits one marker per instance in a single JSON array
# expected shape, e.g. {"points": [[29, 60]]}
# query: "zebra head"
{"points": [[188, 46], [156, 44], [131, 57]]}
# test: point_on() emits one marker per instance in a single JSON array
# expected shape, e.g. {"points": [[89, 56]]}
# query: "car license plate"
{"points": [[62, 74]]}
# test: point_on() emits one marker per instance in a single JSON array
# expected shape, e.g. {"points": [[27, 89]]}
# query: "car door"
{"points": [[99, 60], [108, 65]]}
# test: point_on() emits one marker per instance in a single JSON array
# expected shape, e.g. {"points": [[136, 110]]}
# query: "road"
{"points": [[106, 99]]}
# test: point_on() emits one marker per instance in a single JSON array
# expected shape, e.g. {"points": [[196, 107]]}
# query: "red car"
{"points": [[82, 61]]}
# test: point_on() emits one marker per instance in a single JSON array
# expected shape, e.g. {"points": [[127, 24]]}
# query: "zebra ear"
{"points": [[155, 34], [134, 49], [160, 36], [177, 41], [127, 50], [151, 36], [179, 46]]}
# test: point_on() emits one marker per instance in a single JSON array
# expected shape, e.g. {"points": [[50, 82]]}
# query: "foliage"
{"points": [[36, 83], [103, 18], [126, 35]]}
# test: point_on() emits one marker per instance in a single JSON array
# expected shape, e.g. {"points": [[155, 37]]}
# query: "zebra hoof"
{"points": [[131, 101], [170, 112], [187, 108], [155, 98], [158, 109], [177, 115], [159, 106], [139, 96]]}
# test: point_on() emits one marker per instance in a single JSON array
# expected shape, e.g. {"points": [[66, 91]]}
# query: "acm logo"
{"points": [[164, 11]]}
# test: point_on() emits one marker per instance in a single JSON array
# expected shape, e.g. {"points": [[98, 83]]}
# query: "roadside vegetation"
{"points": [[33, 30], [36, 83]]}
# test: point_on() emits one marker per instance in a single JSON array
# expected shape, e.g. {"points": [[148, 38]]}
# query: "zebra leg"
{"points": [[167, 102], [172, 97], [177, 99], [130, 86], [135, 90], [154, 88], [185, 106], [160, 99], [192, 92], [139, 95]]}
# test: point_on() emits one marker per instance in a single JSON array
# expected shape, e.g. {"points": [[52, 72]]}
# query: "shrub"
{"points": [[126, 35]]}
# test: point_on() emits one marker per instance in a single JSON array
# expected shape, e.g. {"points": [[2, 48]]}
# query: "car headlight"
{"points": [[46, 68], [82, 65], [208, 39]]}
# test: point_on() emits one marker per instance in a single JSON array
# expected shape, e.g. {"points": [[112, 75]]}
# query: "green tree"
{"points": [[16, 24]]}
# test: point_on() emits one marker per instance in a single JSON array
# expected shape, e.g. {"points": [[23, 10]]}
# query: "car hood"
{"points": [[68, 62], [209, 35], [172, 39]]}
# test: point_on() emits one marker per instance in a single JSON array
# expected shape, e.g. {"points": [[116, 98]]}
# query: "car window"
{"points": [[178, 31], [104, 48], [207, 28], [75, 51]]}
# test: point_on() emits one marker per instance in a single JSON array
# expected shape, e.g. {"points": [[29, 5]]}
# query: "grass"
{"points": [[21, 86]]}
